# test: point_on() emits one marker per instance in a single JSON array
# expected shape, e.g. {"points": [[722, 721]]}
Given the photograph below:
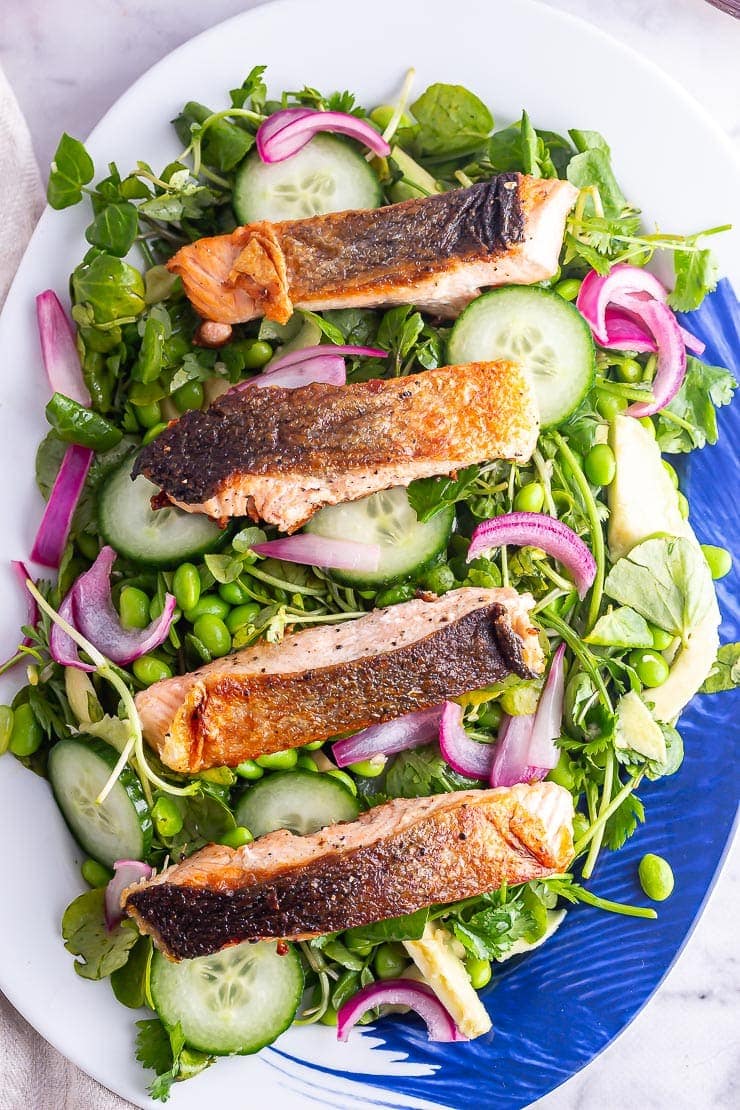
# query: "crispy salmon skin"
{"points": [[437, 252], [279, 455], [339, 678], [395, 859]]}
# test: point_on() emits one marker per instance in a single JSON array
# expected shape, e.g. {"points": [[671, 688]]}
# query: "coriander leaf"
{"points": [[409, 926], [422, 771], [86, 935], [429, 496], [153, 1048], [252, 89], [71, 168], [725, 672], [696, 275], [667, 581], [452, 121], [357, 325], [577, 248], [491, 932], [622, 628], [623, 822], [705, 388], [166, 1053], [114, 229]]}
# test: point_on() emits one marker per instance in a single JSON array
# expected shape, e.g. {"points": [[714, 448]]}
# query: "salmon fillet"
{"points": [[279, 455], [437, 252], [339, 678], [395, 859]]}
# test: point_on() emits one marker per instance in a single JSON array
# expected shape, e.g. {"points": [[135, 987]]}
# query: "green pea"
{"points": [[670, 472], [149, 669], [242, 615], [188, 396], [479, 972], [232, 593], [27, 735], [88, 545], [390, 961], [369, 768], [489, 715], [347, 780], [656, 877], [652, 669], [562, 773], [395, 594], [208, 605], [718, 559], [629, 370], [361, 950], [237, 837], [148, 415], [95, 874], [6, 727], [648, 425], [439, 579], [305, 763], [256, 354], [329, 1016], [600, 465], [661, 638], [530, 498], [152, 433], [278, 761], [314, 745], [186, 586], [568, 288], [213, 633], [249, 770], [167, 817], [133, 605], [609, 405], [683, 505]]}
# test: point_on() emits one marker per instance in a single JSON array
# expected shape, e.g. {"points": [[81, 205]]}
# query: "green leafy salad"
{"points": [[594, 526]]}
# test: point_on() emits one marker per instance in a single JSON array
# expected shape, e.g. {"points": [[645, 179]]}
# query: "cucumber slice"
{"points": [[407, 547], [300, 801], [235, 1001], [328, 175], [162, 538], [541, 331], [120, 828]]}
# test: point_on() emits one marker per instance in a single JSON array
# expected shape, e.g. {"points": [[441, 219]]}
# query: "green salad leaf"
{"points": [[409, 926], [725, 672], [129, 981], [71, 169], [452, 121], [593, 168], [114, 229], [111, 288], [86, 935], [224, 143]]}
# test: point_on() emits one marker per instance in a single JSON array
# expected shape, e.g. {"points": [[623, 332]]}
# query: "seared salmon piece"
{"points": [[395, 859], [437, 252], [339, 678], [279, 455]]}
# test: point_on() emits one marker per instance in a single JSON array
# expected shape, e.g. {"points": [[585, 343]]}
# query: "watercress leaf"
{"points": [[112, 288], [696, 275], [621, 628], [725, 672], [206, 818], [452, 121], [705, 388], [667, 581], [114, 229], [330, 330], [399, 330], [71, 168], [357, 325], [129, 982], [224, 568], [86, 935], [429, 496], [593, 168], [409, 926], [247, 538], [224, 143]]}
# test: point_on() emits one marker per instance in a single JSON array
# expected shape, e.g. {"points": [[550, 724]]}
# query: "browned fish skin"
{"points": [[437, 252], [281, 454], [439, 649], [394, 860]]}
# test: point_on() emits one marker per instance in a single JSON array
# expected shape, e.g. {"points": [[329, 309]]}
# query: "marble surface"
{"points": [[682, 1050]]}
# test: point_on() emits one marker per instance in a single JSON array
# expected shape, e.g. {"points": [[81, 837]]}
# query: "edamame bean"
{"points": [[149, 669], [237, 837], [656, 877], [256, 354], [390, 961], [670, 472], [148, 415], [232, 593], [208, 605], [6, 727], [88, 545], [718, 560], [661, 638], [651, 668], [133, 605], [361, 950], [530, 498], [186, 586], [314, 746], [329, 1017], [348, 781], [152, 433], [629, 370], [278, 761], [249, 770], [95, 874], [167, 817], [305, 763], [489, 715], [479, 972], [568, 289], [600, 465], [213, 634], [26, 735], [241, 616], [188, 396], [439, 579], [369, 768], [395, 594], [610, 405]]}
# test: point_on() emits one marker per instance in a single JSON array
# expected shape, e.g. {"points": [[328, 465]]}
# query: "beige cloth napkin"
{"points": [[33, 1075]]}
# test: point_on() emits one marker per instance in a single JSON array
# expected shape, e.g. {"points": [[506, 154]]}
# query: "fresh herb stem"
{"points": [[597, 534], [615, 907], [596, 843], [400, 107], [543, 473], [584, 656], [603, 817], [282, 584]]}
